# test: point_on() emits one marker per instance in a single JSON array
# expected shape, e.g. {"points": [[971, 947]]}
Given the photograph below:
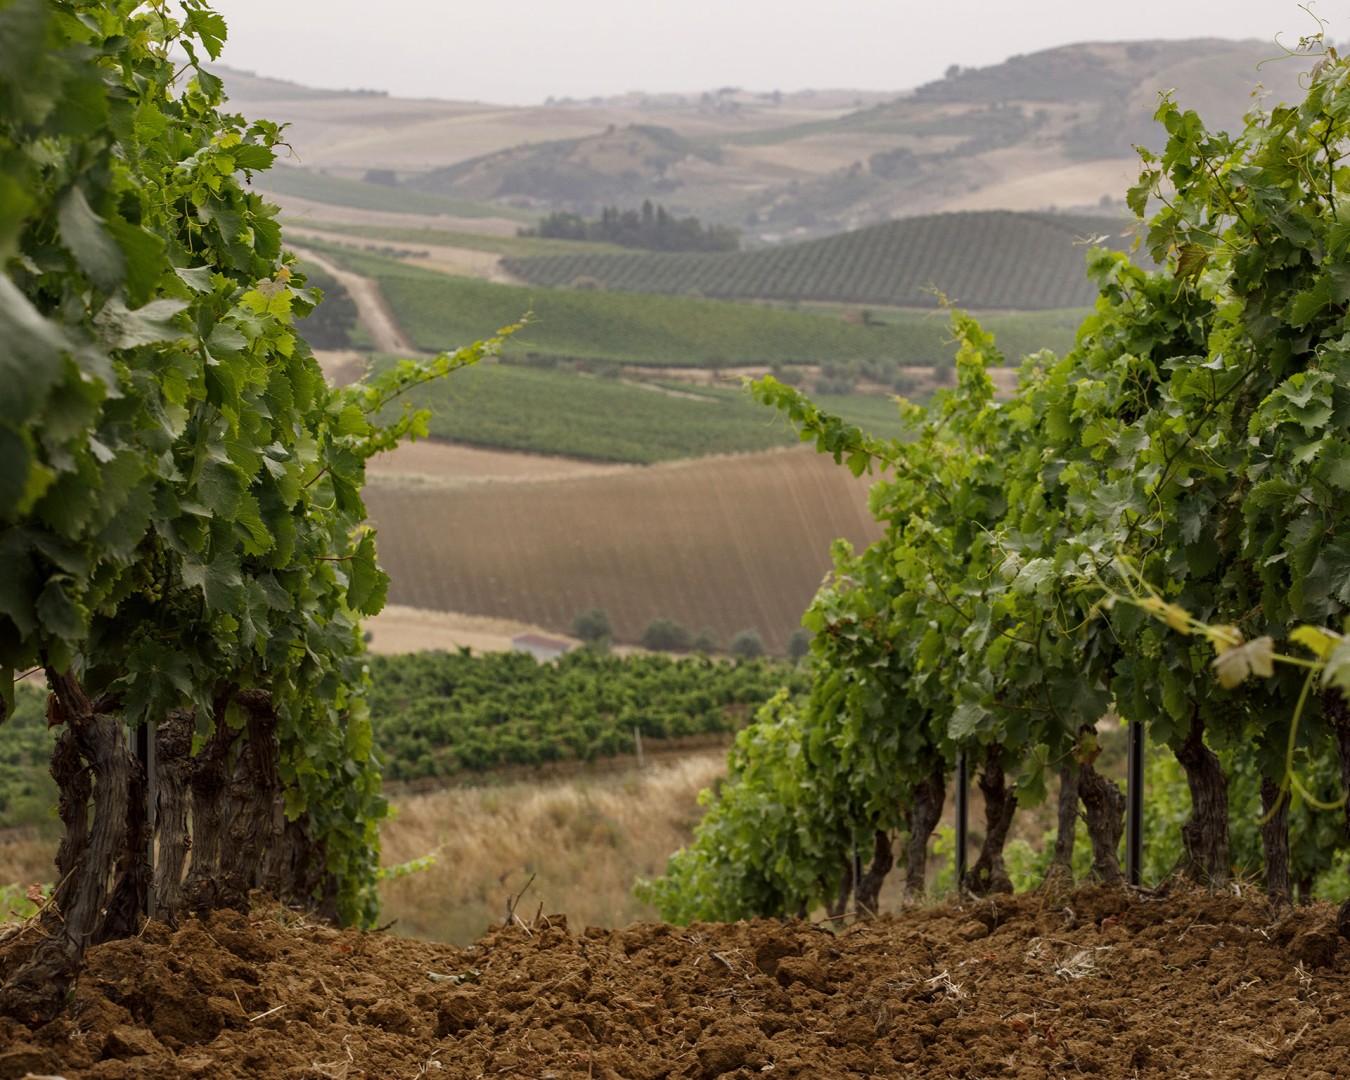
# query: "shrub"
{"points": [[666, 635], [747, 645], [707, 641], [592, 625], [799, 644]]}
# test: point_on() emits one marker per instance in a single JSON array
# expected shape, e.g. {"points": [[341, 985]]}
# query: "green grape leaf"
{"points": [[367, 583], [94, 249], [30, 362]]}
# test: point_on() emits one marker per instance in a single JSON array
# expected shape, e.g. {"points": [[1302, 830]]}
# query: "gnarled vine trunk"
{"points": [[89, 898], [925, 812], [173, 763], [836, 907], [1104, 810], [989, 875], [869, 885], [1275, 841], [1204, 836], [1059, 874], [225, 805]]}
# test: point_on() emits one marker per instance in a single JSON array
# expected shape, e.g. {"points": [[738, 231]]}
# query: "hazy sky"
{"points": [[523, 51]]}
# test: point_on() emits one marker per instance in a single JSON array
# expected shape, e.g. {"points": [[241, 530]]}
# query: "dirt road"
{"points": [[371, 309]]}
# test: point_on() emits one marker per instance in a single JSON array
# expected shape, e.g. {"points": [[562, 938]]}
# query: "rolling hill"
{"points": [[1051, 129], [979, 259]]}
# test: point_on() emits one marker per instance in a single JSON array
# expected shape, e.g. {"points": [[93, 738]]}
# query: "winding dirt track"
{"points": [[371, 309]]}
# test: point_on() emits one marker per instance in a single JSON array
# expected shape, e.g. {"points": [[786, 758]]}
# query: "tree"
{"points": [[747, 644], [592, 625], [666, 635]]}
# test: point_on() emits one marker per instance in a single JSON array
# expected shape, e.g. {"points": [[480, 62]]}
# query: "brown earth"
{"points": [[1098, 983]]}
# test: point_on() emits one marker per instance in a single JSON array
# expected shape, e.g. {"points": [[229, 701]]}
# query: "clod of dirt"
{"points": [[24, 1058], [1316, 948]]}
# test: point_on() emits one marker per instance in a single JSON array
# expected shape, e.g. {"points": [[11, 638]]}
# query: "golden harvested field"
{"points": [[584, 838], [402, 629], [1014, 183], [728, 543]]}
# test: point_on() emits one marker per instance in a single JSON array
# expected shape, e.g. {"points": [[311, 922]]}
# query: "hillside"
{"points": [[728, 543], [980, 260], [1053, 129], [1045, 114], [600, 332]]}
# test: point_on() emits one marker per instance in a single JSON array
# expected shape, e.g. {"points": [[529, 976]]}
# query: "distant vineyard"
{"points": [[440, 714], [438, 311], [609, 419], [984, 260]]}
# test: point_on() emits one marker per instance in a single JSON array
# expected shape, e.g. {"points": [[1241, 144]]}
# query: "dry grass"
{"points": [[583, 840], [28, 855], [399, 629]]}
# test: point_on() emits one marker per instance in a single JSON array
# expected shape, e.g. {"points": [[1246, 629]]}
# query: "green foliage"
{"points": [[706, 641], [439, 714], [986, 259], [567, 412], [180, 507], [27, 793], [666, 635], [15, 904], [330, 324], [661, 330], [1196, 434], [799, 644], [654, 229], [592, 624], [747, 644], [757, 850]]}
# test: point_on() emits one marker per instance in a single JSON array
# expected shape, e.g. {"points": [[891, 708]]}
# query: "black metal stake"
{"points": [[962, 817], [1134, 805], [145, 754]]}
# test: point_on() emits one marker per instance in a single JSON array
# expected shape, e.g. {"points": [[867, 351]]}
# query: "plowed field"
{"points": [[1097, 983], [729, 543]]}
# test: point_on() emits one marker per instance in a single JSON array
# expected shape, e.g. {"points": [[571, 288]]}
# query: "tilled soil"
{"points": [[1098, 983]]}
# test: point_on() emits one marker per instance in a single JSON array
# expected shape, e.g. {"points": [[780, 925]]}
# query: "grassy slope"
{"points": [[607, 419], [438, 311], [338, 191]]}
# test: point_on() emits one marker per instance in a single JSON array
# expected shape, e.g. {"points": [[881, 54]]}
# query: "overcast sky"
{"points": [[523, 51]]}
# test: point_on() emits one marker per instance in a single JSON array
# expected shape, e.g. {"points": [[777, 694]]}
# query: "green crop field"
{"points": [[604, 418], [338, 191], [440, 311], [445, 714], [988, 260]]}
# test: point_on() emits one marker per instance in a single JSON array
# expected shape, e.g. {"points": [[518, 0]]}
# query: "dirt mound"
{"points": [[1096, 983]]}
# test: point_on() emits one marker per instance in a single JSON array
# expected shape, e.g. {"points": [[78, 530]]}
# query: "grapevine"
{"points": [[180, 491]]}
